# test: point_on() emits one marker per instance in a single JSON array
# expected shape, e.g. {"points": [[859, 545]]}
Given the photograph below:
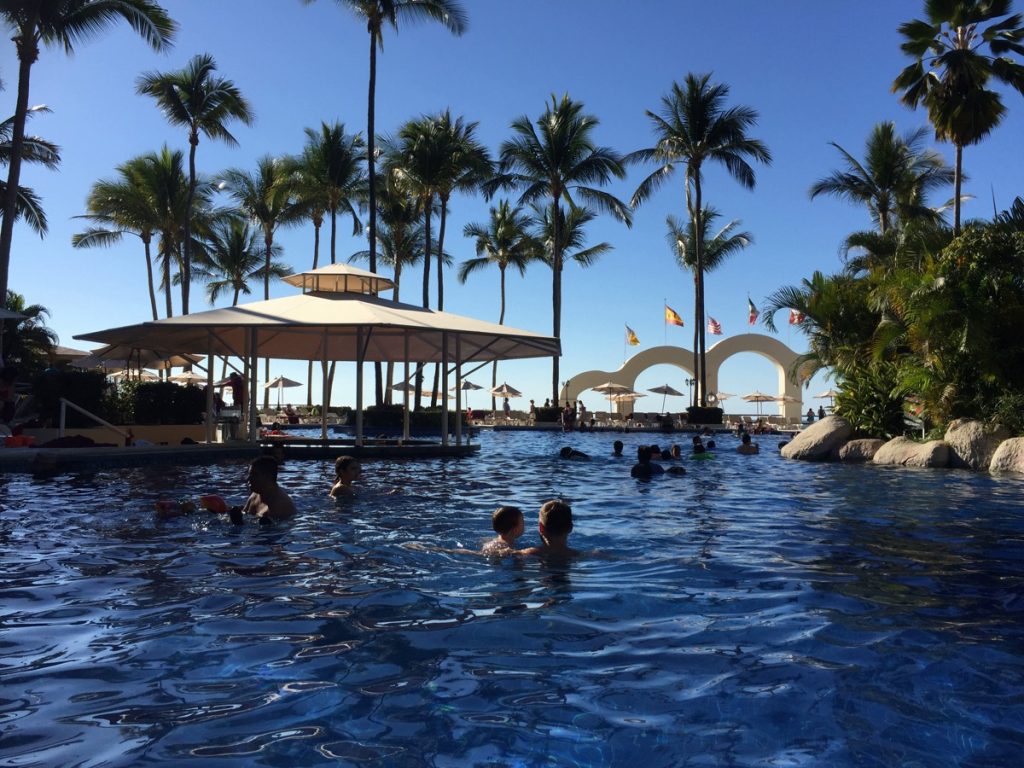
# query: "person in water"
{"points": [[617, 448], [746, 447], [346, 471], [572, 453], [268, 502], [555, 525], [509, 524], [644, 468]]}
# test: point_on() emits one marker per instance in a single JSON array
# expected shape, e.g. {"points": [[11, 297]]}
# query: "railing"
{"points": [[64, 404]]}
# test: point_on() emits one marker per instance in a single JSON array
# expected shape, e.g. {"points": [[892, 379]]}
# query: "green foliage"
{"points": [[86, 389], [167, 403], [872, 401], [390, 417]]}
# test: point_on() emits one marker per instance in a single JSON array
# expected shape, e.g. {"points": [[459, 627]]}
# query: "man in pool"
{"points": [[268, 501], [346, 471], [747, 447], [555, 525], [509, 524]]}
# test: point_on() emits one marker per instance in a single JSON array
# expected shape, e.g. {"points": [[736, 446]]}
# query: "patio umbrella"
{"points": [[830, 394], [468, 386], [135, 375], [665, 390], [610, 388], [760, 397], [506, 391], [281, 382], [187, 378], [724, 396]]}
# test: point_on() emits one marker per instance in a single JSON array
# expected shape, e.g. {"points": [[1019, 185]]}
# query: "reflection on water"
{"points": [[752, 612]]}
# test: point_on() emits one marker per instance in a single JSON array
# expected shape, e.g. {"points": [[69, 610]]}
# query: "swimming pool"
{"points": [[754, 612]]}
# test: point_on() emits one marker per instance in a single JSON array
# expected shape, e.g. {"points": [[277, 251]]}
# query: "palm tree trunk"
{"points": [[186, 258], [316, 241], [224, 367], [28, 52], [440, 286], [268, 239], [146, 239], [958, 179], [501, 321], [556, 289], [696, 339], [167, 277], [388, 398], [334, 233], [427, 214], [371, 165], [698, 237]]}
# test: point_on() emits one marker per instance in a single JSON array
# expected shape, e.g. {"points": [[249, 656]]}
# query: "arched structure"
{"points": [[781, 356]]}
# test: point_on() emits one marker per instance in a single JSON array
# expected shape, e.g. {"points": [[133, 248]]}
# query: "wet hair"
{"points": [[666, 455], [342, 463], [696, 439], [265, 466], [566, 452], [655, 449], [643, 453], [505, 519], [556, 517], [745, 439], [711, 444], [617, 446], [676, 451]]}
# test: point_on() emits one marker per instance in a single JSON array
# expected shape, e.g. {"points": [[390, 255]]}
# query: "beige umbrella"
{"points": [[506, 391], [610, 388], [627, 397], [721, 396], [760, 397], [281, 382], [830, 394], [665, 390], [187, 378], [134, 375]]}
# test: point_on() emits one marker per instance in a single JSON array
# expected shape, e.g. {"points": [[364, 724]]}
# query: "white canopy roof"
{"points": [[340, 278], [326, 325]]}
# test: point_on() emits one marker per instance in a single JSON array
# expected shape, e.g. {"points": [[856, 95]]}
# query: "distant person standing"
{"points": [[821, 411], [506, 408], [810, 415], [237, 385], [533, 411]]}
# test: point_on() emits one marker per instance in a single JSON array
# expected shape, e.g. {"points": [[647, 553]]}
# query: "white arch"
{"points": [[781, 356]]}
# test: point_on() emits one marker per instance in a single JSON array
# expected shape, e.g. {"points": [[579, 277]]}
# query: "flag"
{"points": [[752, 318], [672, 317], [795, 317], [631, 338], [714, 327]]}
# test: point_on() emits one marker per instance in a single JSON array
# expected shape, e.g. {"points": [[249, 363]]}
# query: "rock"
{"points": [[857, 451], [903, 451], [820, 440], [1009, 456], [972, 444]]}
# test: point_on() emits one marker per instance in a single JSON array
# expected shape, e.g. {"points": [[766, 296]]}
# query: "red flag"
{"points": [[795, 317], [672, 317], [714, 327], [753, 313]]}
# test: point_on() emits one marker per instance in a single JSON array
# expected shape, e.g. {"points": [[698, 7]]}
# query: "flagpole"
{"points": [[664, 320]]}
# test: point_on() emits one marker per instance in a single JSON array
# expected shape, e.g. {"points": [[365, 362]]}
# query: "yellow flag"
{"points": [[672, 317], [631, 338]]}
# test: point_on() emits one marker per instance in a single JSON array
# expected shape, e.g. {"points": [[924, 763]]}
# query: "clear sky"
{"points": [[816, 71]]}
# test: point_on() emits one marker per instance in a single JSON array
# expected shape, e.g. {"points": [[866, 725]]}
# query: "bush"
{"points": [[86, 389], [390, 417], [549, 414], [167, 403]]}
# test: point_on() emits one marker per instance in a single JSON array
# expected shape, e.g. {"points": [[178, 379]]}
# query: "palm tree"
{"points": [[27, 342], [124, 206], [33, 150], [717, 248], [375, 13], [195, 98], [893, 181], [952, 69], [61, 23], [504, 241], [556, 158], [235, 255], [331, 178], [267, 197], [696, 127]]}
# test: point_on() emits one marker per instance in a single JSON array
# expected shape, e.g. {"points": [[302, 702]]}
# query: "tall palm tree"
{"points": [[195, 98], [893, 181], [955, 58], [61, 23], [506, 240], [717, 247], [267, 197], [331, 176], [127, 205], [695, 127], [236, 255], [375, 14], [33, 150], [556, 158]]}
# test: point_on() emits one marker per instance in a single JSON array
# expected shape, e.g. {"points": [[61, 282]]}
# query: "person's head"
{"points": [[666, 455], [262, 474], [566, 452], [697, 441], [698, 448], [555, 519], [676, 451], [655, 449], [643, 454], [617, 447], [508, 521], [711, 444], [347, 469], [745, 439]]}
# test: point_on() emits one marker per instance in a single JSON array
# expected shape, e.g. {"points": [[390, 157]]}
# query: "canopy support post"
{"points": [[209, 388], [444, 388], [253, 404], [359, 385], [458, 389], [326, 385], [405, 393]]}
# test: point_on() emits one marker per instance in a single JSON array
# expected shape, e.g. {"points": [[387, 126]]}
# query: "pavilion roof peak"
{"points": [[340, 278]]}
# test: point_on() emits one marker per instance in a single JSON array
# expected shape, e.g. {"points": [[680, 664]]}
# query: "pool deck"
{"points": [[52, 461]]}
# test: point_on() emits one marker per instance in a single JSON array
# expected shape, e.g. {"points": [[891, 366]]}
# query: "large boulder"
{"points": [[858, 451], [972, 444], [820, 441], [905, 452], [1009, 456]]}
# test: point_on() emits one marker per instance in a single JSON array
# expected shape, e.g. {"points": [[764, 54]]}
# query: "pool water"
{"points": [[756, 612]]}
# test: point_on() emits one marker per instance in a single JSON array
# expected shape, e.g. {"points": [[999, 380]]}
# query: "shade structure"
{"points": [[331, 321], [7, 314], [506, 391], [665, 390], [612, 388], [138, 356], [134, 375], [760, 397], [279, 383], [468, 385], [830, 393], [627, 397], [187, 378], [340, 278], [720, 396]]}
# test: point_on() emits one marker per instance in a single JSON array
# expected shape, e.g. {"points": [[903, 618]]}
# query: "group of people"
{"points": [[810, 414]]}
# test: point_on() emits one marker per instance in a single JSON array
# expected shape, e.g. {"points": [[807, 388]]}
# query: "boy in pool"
{"points": [[509, 524], [346, 471], [555, 525], [268, 501], [746, 447]]}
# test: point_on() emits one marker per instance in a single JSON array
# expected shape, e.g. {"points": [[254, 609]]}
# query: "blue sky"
{"points": [[815, 71]]}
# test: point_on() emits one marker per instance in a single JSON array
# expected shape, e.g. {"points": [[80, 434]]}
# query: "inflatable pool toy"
{"points": [[213, 503]]}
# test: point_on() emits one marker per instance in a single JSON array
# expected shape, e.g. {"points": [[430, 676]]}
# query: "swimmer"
{"points": [[711, 445], [554, 525], [346, 471], [617, 448], [644, 467], [509, 524], [677, 452], [268, 502], [747, 448], [572, 453]]}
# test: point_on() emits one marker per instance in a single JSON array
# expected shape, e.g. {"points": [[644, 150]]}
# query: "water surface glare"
{"points": [[756, 612]]}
